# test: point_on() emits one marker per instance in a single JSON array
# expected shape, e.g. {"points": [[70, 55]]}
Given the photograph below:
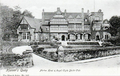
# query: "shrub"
{"points": [[82, 43]]}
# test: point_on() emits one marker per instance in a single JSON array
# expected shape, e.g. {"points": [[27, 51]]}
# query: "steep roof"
{"points": [[58, 19], [34, 23]]}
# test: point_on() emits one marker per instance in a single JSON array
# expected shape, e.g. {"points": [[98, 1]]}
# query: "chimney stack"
{"points": [[83, 14], [58, 8], [82, 19], [43, 19], [65, 13], [88, 12]]}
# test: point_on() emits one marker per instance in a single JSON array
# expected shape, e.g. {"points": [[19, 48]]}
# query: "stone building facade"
{"points": [[67, 26]]}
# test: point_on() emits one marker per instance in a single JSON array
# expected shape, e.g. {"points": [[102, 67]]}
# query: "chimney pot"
{"points": [[43, 10], [58, 9]]}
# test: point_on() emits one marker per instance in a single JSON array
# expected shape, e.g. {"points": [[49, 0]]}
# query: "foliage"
{"points": [[115, 24], [9, 20], [28, 14], [115, 29]]}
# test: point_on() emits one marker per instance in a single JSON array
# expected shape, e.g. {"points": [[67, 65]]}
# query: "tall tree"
{"points": [[115, 24], [6, 15], [16, 18]]}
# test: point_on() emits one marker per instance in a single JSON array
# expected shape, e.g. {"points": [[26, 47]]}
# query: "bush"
{"points": [[107, 44]]}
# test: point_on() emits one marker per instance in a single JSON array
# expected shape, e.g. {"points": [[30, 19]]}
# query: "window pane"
{"points": [[24, 35]]}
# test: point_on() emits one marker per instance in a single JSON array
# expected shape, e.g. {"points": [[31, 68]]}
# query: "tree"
{"points": [[6, 15], [115, 24], [9, 20], [115, 29], [28, 14]]}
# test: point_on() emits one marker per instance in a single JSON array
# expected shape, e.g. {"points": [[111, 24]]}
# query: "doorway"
{"points": [[63, 37], [97, 37]]}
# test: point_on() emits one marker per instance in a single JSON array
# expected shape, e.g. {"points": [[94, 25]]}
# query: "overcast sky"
{"points": [[108, 7]]}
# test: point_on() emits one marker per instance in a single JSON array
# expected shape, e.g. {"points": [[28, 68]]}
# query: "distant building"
{"points": [[64, 26]]}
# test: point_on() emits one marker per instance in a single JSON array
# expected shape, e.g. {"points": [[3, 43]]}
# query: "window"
{"points": [[106, 36], [68, 36], [86, 20], [24, 35], [78, 26], [86, 36], [24, 26], [97, 18], [72, 37], [28, 35], [71, 27], [96, 27], [76, 36], [80, 36]]}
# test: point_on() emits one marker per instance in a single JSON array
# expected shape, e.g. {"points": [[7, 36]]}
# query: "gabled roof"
{"points": [[58, 18], [70, 17], [49, 15], [78, 16], [33, 23]]}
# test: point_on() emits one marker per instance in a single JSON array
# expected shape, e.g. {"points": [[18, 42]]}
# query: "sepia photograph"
{"points": [[59, 37]]}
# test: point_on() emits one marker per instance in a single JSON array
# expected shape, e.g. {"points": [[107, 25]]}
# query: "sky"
{"points": [[109, 7]]}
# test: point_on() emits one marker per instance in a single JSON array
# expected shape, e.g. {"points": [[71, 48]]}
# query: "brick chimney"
{"points": [[43, 18]]}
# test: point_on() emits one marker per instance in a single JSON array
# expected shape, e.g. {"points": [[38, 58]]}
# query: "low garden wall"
{"points": [[82, 54]]}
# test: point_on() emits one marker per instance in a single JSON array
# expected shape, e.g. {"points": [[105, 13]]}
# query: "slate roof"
{"points": [[69, 15], [34, 23], [49, 15]]}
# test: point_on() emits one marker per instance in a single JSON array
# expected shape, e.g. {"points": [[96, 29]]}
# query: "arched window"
{"points": [[97, 36], [68, 36]]}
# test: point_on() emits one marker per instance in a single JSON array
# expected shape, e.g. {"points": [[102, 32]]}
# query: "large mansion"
{"points": [[64, 26]]}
